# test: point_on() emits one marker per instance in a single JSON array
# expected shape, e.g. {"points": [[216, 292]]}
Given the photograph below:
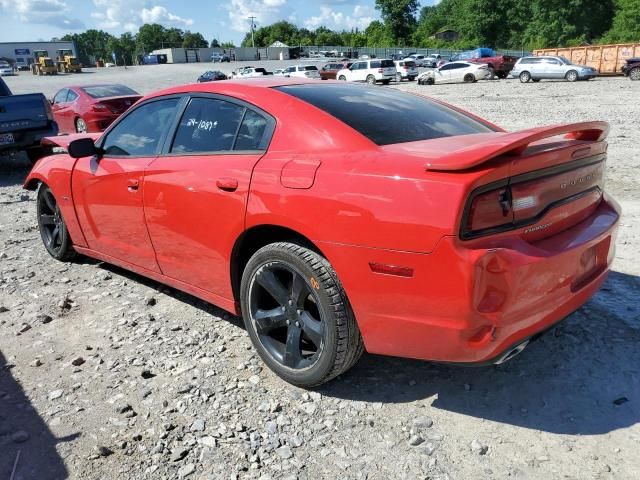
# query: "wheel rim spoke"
{"points": [[267, 320], [55, 236], [299, 290], [293, 352], [312, 328], [49, 201], [47, 220], [267, 280]]}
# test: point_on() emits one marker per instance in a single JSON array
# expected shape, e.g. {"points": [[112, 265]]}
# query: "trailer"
{"points": [[607, 59]]}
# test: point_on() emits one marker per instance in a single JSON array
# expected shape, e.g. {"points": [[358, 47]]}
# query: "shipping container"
{"points": [[607, 59]]}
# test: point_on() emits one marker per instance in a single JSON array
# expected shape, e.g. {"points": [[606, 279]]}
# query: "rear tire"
{"points": [[634, 74], [571, 76], [525, 77], [298, 316], [53, 229], [371, 80], [399, 77], [342, 78]]}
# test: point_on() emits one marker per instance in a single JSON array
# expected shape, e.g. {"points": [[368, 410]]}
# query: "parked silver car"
{"points": [[538, 68]]}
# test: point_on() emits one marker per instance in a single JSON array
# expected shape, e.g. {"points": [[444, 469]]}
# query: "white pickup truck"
{"points": [[248, 72]]}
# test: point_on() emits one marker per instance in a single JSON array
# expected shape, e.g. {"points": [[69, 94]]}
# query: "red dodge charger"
{"points": [[337, 218], [91, 108]]}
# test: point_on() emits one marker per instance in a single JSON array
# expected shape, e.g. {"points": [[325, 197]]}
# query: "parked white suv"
{"points": [[303, 71], [406, 69], [246, 72], [370, 71]]}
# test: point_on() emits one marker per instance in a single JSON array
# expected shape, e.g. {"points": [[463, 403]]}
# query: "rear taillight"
{"points": [[98, 107], [487, 210], [405, 67], [47, 108], [380, 70], [526, 198]]}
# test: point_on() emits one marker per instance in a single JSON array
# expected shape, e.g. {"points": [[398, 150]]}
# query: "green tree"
{"points": [[215, 43], [227, 45], [626, 23], [399, 17], [194, 40], [128, 47], [150, 37]]}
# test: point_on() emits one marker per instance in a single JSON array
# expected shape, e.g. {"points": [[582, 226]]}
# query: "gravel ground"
{"points": [[104, 374]]}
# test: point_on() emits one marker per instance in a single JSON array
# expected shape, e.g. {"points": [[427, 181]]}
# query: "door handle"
{"points": [[227, 184], [133, 185]]}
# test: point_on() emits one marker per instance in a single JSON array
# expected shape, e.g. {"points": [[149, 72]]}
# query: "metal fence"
{"points": [[385, 52]]}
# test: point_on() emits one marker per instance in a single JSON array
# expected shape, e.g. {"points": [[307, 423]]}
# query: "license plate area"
{"points": [[6, 139]]}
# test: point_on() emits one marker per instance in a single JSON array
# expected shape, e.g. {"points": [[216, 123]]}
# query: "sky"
{"points": [[226, 20]]}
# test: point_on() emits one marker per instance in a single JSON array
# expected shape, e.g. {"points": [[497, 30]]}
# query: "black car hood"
{"points": [[633, 60]]}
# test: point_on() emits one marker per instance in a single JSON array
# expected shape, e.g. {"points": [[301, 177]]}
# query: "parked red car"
{"points": [[336, 218], [330, 70], [91, 108], [500, 64]]}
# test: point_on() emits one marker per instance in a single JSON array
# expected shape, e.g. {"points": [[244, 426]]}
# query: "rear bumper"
{"points": [[99, 122], [468, 305], [31, 138]]}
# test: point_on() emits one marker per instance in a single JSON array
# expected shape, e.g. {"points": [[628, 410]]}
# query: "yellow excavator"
{"points": [[43, 64], [67, 62]]}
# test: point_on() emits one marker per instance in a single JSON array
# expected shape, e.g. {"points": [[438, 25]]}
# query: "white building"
{"points": [[23, 51]]}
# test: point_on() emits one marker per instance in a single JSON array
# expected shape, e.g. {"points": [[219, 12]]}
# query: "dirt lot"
{"points": [[104, 374]]}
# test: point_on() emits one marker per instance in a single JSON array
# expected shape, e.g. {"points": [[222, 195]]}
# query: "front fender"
{"points": [[55, 171]]}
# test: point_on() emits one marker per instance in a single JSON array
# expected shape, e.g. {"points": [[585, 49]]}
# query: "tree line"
{"points": [[94, 44], [509, 24]]}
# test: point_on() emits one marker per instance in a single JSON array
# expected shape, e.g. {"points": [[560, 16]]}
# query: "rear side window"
{"points": [[208, 125], [375, 64], [387, 63], [410, 64], [251, 132], [308, 68], [387, 116], [72, 96]]}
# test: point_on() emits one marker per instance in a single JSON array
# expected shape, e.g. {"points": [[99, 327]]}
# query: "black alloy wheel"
{"points": [[297, 315], [53, 230], [286, 315]]}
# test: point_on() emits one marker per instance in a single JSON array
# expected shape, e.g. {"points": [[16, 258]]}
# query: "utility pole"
{"points": [[253, 43]]}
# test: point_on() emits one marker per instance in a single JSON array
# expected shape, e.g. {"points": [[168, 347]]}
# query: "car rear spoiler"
{"points": [[515, 144], [63, 141]]}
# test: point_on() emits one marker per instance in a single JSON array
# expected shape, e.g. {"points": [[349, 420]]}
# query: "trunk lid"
{"points": [[119, 105], [537, 182]]}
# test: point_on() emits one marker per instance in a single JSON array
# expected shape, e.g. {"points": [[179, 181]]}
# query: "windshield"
{"points": [[387, 116], [103, 91]]}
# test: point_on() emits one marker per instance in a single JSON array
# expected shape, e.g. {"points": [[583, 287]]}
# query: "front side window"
{"points": [[141, 131], [208, 125]]}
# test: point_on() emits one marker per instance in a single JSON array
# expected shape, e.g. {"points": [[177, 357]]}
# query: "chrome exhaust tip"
{"points": [[512, 353]]}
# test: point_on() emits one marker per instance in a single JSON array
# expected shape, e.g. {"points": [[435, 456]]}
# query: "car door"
{"points": [[196, 192], [359, 72], [108, 190], [553, 68], [60, 109], [458, 71], [443, 74]]}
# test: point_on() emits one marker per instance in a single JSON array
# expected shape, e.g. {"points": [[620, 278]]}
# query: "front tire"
{"points": [[53, 229], [571, 76], [298, 316], [525, 77], [469, 78]]}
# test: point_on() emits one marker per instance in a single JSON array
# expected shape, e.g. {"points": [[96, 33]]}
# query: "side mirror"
{"points": [[83, 147]]}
